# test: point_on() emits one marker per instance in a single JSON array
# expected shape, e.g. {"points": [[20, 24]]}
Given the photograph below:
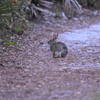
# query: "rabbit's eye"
{"points": [[48, 42]]}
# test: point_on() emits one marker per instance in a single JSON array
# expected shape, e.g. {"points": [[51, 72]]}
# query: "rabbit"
{"points": [[59, 49]]}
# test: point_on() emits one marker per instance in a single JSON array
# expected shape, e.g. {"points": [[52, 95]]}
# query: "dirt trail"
{"points": [[29, 72]]}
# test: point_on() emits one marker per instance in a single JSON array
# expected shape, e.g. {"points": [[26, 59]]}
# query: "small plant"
{"points": [[2, 22], [11, 12], [18, 29], [10, 43]]}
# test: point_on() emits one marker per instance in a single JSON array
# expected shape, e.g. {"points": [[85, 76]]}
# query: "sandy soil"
{"points": [[29, 72]]}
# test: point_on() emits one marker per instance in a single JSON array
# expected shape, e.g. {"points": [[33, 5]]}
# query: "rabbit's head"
{"points": [[53, 40]]}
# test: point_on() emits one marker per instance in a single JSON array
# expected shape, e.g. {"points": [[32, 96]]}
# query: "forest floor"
{"points": [[29, 72]]}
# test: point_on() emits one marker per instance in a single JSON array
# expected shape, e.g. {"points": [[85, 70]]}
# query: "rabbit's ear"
{"points": [[55, 36]]}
